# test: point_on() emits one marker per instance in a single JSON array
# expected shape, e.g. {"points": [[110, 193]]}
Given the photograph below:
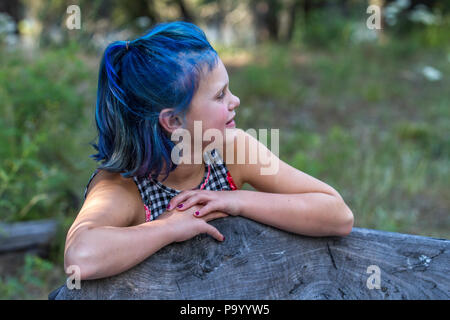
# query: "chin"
{"points": [[230, 134]]}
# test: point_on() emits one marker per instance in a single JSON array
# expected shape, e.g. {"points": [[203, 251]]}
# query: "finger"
{"points": [[213, 232], [196, 199], [214, 215], [176, 202], [208, 208]]}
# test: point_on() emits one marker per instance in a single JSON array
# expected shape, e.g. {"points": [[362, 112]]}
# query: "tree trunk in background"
{"points": [[185, 11], [307, 6], [13, 8], [266, 15], [136, 9], [104, 9], [272, 19], [220, 18], [292, 10]]}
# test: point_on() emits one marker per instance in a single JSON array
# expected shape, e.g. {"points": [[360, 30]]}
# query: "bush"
{"points": [[34, 280], [327, 28], [44, 99]]}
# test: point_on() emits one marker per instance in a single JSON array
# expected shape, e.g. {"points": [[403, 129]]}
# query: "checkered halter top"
{"points": [[156, 196]]}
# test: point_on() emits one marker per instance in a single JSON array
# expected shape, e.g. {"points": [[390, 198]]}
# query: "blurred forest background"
{"points": [[364, 110]]}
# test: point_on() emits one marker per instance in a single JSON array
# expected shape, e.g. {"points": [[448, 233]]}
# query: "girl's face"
{"points": [[213, 104]]}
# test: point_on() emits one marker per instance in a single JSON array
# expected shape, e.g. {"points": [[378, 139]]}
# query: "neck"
{"points": [[184, 173]]}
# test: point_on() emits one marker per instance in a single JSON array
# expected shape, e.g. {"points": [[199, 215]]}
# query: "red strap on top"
{"points": [[231, 182], [147, 213], [207, 178]]}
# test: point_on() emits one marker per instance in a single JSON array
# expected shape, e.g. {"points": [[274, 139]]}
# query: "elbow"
{"points": [[345, 225], [78, 262]]}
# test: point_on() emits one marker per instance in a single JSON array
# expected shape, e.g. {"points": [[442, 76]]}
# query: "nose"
{"points": [[235, 102]]}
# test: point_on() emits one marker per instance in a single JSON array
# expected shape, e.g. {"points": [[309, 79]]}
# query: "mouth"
{"points": [[230, 123], [231, 120]]}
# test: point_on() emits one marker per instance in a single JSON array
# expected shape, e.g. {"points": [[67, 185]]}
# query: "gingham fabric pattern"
{"points": [[156, 196]]}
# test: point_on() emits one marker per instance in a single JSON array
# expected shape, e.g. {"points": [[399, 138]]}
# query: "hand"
{"points": [[224, 201], [185, 226]]}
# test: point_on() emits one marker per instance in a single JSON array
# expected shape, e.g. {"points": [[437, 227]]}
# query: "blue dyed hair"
{"points": [[159, 70]]}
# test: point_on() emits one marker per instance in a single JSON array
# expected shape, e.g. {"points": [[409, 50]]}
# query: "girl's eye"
{"points": [[221, 96]]}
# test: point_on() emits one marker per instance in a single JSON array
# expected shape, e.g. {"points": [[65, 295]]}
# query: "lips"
{"points": [[229, 121], [230, 124]]}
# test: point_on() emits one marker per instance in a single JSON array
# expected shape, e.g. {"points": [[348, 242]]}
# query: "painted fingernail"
{"points": [[168, 206], [223, 238], [197, 213], [180, 205]]}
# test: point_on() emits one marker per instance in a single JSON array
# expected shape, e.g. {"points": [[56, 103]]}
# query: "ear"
{"points": [[169, 121]]}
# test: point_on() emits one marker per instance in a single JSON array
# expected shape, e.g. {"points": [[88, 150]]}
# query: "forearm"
{"points": [[313, 214], [106, 251]]}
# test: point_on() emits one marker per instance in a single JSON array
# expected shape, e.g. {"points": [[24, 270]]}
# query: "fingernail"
{"points": [[197, 213], [180, 205], [223, 238], [168, 206]]}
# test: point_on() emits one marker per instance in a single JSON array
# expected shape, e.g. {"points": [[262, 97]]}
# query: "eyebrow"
{"points": [[221, 89]]}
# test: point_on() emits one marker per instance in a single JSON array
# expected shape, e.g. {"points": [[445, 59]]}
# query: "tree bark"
{"points": [[258, 262]]}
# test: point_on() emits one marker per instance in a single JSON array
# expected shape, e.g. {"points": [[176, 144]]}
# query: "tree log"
{"points": [[27, 235], [257, 261]]}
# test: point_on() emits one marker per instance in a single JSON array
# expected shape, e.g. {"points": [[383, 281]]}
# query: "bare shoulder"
{"points": [[114, 183], [271, 174], [107, 179], [237, 142], [111, 200]]}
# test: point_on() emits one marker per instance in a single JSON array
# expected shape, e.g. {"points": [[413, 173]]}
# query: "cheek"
{"points": [[216, 117], [223, 115]]}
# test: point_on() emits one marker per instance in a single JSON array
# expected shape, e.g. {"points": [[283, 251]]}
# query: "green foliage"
{"points": [[43, 108], [379, 181], [35, 279], [305, 147], [268, 78], [326, 28]]}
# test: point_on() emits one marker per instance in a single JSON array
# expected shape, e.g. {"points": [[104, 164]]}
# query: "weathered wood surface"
{"points": [[27, 235], [257, 261]]}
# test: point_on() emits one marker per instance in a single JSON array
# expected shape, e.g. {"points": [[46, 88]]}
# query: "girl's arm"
{"points": [[311, 214], [289, 199], [102, 240], [109, 235], [106, 251]]}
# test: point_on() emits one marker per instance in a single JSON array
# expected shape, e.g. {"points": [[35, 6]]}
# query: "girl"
{"points": [[134, 204]]}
